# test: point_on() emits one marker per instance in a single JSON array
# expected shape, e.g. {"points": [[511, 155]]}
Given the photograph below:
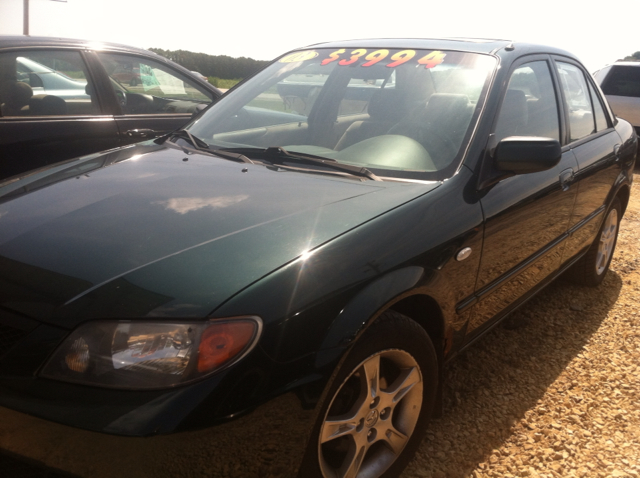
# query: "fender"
{"points": [[362, 310]]}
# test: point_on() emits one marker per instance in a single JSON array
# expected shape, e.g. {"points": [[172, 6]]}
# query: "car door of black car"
{"points": [[527, 215], [154, 99], [596, 144], [49, 110]]}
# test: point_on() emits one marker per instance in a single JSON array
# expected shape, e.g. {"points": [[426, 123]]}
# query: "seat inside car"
{"points": [[47, 105], [384, 109], [439, 126], [513, 115]]}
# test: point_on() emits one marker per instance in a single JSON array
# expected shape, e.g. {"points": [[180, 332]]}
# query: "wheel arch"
{"points": [[407, 296], [623, 194], [403, 291], [425, 310]]}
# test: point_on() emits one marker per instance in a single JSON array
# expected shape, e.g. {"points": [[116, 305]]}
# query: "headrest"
{"points": [[443, 106], [385, 105], [15, 94], [513, 112], [47, 105]]}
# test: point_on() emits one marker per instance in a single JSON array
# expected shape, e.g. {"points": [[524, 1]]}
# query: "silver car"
{"points": [[620, 83], [45, 80]]}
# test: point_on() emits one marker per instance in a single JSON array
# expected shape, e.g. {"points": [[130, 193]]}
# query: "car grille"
{"points": [[9, 336]]}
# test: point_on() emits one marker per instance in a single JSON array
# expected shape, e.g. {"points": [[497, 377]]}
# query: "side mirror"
{"points": [[527, 154]]}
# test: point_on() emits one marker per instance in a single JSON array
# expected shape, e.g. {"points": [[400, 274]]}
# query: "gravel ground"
{"points": [[555, 391], [551, 393]]}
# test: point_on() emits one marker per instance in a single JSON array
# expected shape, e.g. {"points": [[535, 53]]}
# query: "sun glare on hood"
{"points": [[185, 205]]}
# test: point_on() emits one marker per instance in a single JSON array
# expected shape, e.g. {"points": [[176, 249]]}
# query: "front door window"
{"points": [[144, 86]]}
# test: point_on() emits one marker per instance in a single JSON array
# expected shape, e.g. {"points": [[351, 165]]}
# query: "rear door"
{"points": [[153, 98], [596, 144], [49, 109]]}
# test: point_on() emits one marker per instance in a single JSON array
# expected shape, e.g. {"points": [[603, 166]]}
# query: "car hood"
{"points": [[151, 231]]}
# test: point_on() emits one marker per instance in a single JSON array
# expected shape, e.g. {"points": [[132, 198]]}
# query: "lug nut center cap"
{"points": [[372, 418]]}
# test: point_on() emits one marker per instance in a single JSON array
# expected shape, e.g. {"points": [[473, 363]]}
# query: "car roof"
{"points": [[477, 45], [20, 41]]}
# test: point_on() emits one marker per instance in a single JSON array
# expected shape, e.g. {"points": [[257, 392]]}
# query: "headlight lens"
{"points": [[150, 355]]}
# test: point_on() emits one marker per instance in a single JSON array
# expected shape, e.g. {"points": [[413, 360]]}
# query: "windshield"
{"points": [[399, 113]]}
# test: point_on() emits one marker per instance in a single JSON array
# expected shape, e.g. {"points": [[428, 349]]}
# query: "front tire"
{"points": [[379, 404]]}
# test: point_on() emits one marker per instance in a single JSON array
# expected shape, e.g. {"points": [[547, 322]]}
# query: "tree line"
{"points": [[220, 66], [634, 57]]}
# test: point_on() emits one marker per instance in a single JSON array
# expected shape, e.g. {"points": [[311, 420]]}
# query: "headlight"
{"points": [[150, 355]]}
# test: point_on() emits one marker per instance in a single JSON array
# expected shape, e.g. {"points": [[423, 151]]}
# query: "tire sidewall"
{"points": [[391, 331], [598, 278]]}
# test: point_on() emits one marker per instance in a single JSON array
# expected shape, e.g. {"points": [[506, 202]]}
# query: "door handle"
{"points": [[566, 178], [141, 133]]}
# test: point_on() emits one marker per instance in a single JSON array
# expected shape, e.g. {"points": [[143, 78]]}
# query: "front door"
{"points": [[526, 216]]}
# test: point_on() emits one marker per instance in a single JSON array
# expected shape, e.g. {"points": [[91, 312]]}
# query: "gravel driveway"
{"points": [[554, 392]]}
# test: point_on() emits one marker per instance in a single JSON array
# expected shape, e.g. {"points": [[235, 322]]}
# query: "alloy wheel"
{"points": [[371, 417], [607, 241]]}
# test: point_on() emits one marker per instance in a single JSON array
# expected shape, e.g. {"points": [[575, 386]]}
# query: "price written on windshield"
{"points": [[343, 58]]}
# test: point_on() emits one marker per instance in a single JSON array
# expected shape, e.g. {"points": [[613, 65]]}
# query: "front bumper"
{"points": [[212, 400], [270, 441]]}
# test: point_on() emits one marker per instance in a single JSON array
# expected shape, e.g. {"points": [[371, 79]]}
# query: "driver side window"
{"points": [[530, 107], [144, 86]]}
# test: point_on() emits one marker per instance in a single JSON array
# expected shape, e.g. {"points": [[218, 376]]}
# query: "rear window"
{"points": [[622, 81]]}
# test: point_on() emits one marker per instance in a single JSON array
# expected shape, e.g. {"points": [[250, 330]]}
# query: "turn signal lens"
{"points": [[77, 359], [222, 342]]}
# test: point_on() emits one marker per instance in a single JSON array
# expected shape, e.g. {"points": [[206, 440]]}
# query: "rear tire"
{"points": [[593, 266], [377, 410]]}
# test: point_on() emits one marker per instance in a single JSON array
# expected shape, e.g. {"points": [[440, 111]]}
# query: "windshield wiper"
{"points": [[278, 155], [201, 145], [197, 143]]}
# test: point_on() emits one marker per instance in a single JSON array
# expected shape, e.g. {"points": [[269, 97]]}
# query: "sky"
{"points": [[263, 30]]}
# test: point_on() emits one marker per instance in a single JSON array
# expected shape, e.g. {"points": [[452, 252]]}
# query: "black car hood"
{"points": [[165, 234]]}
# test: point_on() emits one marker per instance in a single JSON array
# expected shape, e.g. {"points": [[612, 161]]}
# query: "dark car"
{"points": [[324, 238], [60, 99]]}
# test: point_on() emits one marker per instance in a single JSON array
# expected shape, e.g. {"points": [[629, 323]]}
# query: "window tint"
{"points": [[144, 86], [576, 93], [529, 107], [622, 81], [37, 83], [601, 118]]}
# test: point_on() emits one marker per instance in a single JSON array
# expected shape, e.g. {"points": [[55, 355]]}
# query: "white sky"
{"points": [[597, 33]]}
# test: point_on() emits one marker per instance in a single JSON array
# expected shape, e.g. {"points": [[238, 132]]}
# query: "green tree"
{"points": [[220, 66], [634, 57]]}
